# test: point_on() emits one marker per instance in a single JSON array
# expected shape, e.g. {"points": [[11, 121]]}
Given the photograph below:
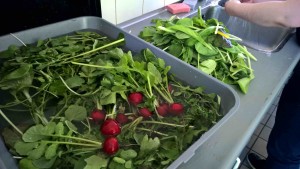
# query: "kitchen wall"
{"points": [[118, 11]]}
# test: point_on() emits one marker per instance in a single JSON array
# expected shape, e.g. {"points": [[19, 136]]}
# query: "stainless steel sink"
{"points": [[266, 39]]}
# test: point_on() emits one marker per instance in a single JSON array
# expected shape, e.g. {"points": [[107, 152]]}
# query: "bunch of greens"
{"points": [[39, 69], [77, 79], [206, 45]]}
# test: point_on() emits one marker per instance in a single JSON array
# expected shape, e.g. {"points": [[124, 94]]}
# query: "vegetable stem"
{"points": [[81, 149], [149, 85], [246, 52], [156, 132], [71, 143], [27, 95], [97, 49], [166, 29], [10, 122], [164, 123], [133, 80], [71, 90], [169, 100], [90, 65], [18, 39], [76, 138]]}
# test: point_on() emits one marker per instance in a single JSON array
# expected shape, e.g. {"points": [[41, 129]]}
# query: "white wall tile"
{"points": [[108, 9], [128, 9], [167, 2], [151, 5]]}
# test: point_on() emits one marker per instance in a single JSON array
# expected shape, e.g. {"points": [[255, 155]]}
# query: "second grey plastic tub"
{"points": [[182, 71]]}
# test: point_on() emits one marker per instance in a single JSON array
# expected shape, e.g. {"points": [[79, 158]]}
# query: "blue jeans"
{"points": [[284, 141]]}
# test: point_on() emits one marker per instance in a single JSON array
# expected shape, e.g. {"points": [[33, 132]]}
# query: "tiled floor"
{"points": [[259, 139]]}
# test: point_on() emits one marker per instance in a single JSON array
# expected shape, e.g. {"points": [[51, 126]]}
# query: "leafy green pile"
{"points": [[60, 80], [206, 45]]}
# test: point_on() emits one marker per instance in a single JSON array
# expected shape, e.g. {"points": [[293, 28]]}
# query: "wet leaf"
{"points": [[208, 66], [148, 145], [75, 112], [128, 154], [95, 162]]}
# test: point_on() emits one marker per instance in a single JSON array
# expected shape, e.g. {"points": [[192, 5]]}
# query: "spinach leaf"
{"points": [[198, 42], [203, 50], [208, 66]]}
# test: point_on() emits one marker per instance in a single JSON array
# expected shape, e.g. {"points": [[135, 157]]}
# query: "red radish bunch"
{"points": [[135, 98], [97, 115], [110, 145], [110, 127], [176, 108], [145, 112], [163, 109], [121, 118]]}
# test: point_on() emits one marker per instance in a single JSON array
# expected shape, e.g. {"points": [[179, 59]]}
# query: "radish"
{"points": [[162, 109], [110, 127], [110, 145], [176, 108], [135, 98], [145, 112], [97, 115], [122, 118]]}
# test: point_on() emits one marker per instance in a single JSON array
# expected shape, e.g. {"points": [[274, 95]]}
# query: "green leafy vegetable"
{"points": [[95, 162], [207, 45], [62, 81], [149, 145], [75, 112], [26, 163]]}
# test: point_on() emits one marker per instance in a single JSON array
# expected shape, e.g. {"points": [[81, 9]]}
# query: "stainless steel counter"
{"points": [[271, 73]]}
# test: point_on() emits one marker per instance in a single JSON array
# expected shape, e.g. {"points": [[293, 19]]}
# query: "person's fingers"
{"points": [[247, 1], [234, 1], [230, 6]]}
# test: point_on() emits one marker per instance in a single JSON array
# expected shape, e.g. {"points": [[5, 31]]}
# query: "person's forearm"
{"points": [[273, 13], [258, 1]]}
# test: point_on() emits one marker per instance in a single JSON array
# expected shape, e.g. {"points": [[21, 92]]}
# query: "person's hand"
{"points": [[247, 1], [235, 1], [243, 1], [231, 5]]}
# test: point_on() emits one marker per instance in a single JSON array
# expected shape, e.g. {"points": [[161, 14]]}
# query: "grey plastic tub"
{"points": [[182, 71]]}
